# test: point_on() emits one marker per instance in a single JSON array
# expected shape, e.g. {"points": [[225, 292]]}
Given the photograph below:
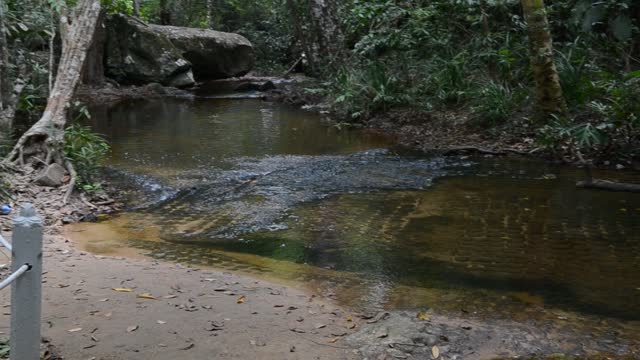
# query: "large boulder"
{"points": [[138, 53], [213, 54]]}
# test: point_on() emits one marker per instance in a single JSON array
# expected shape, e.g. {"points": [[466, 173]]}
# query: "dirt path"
{"points": [[197, 314]]}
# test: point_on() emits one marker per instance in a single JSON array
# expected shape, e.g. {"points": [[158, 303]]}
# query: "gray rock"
{"points": [[135, 54], [213, 54], [182, 80], [139, 53], [51, 176]]}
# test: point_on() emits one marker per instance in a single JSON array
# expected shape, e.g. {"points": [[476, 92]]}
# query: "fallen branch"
{"points": [[459, 149], [290, 70], [608, 185]]}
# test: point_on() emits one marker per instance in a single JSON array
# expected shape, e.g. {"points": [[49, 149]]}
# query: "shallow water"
{"points": [[265, 189]]}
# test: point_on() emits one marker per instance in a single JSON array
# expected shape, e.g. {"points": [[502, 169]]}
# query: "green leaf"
{"points": [[632, 75]]}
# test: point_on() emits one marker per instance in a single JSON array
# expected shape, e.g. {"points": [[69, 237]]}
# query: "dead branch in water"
{"points": [[608, 185]]}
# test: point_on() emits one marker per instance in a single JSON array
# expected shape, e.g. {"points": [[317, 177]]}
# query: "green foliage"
{"points": [[610, 124], [495, 103], [360, 93], [118, 6], [85, 149]]}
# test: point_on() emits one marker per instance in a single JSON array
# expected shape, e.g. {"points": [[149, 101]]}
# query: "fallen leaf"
{"points": [[170, 296], [94, 338], [333, 340], [103, 300], [122, 289], [299, 331], [349, 318], [320, 326], [435, 351], [338, 333], [240, 300], [132, 328], [75, 330], [147, 296], [161, 322], [89, 346], [108, 314], [422, 316]]}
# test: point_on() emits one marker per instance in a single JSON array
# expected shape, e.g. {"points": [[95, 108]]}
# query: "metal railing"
{"points": [[26, 284]]}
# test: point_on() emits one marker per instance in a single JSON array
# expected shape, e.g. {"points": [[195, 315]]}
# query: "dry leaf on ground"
{"points": [[122, 289]]}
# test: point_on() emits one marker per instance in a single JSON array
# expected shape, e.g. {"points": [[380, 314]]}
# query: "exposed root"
{"points": [[87, 202], [72, 183]]}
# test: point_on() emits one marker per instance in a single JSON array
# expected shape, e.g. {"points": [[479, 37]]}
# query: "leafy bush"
{"points": [[86, 150], [612, 125], [495, 102], [359, 92]]}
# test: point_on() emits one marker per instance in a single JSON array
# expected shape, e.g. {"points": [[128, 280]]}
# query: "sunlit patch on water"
{"points": [[370, 228]]}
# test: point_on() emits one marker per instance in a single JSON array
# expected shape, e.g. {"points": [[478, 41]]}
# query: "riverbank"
{"points": [[122, 308], [101, 307]]}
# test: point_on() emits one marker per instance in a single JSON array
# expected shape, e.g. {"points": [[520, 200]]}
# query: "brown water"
{"points": [[285, 197]]}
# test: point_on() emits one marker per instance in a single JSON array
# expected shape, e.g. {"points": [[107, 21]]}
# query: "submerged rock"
{"points": [[139, 53]]}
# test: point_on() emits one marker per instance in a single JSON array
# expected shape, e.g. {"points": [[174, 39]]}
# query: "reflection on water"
{"points": [[169, 136], [494, 236]]}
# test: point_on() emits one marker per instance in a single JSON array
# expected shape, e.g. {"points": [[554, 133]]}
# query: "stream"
{"points": [[273, 191]]}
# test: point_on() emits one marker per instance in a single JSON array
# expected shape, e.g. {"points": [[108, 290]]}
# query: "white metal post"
{"points": [[26, 291]]}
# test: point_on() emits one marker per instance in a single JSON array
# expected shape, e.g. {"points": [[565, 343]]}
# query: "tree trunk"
{"points": [[44, 141], [93, 73], [299, 35], [548, 89], [136, 8], [165, 13], [4, 60], [10, 91], [325, 29]]}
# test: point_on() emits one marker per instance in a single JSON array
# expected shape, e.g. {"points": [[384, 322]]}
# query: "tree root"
{"points": [[72, 183]]}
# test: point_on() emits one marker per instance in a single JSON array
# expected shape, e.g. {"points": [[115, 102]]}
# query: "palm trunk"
{"points": [[548, 89], [45, 139]]}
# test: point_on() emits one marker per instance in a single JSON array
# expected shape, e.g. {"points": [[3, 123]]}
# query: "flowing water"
{"points": [[269, 190]]}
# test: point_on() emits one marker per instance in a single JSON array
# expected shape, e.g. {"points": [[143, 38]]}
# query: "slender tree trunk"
{"points": [[4, 59], [548, 89], [211, 16], [10, 91], [296, 21], [52, 52], [165, 13], [136, 8], [44, 141]]}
